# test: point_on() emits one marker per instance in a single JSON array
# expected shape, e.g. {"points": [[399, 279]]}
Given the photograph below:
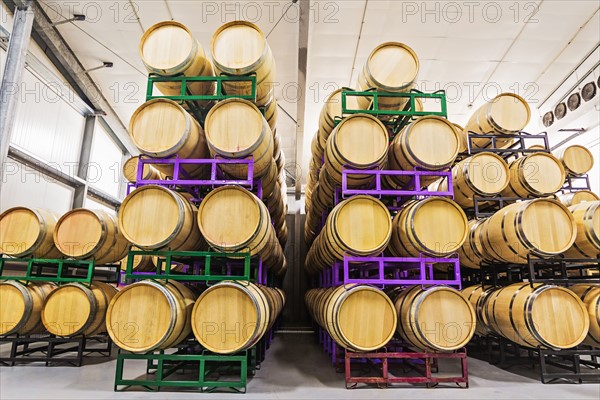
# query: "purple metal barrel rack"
{"points": [[182, 179], [390, 271]]}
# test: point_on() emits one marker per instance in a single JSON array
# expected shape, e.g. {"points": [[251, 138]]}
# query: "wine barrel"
{"points": [[231, 316], [141, 263], [506, 114], [541, 147], [360, 225], [429, 143], [161, 128], [580, 196], [332, 111], [435, 226], [358, 317], [577, 160], [155, 218], [360, 141], [130, 171], [543, 315], [472, 253], [460, 131], [28, 232], [168, 48], [232, 220], [150, 315], [483, 174], [240, 48], [391, 67], [90, 234], [538, 174], [235, 128], [590, 296], [587, 220], [540, 227], [477, 296], [21, 306], [437, 318], [75, 309]]}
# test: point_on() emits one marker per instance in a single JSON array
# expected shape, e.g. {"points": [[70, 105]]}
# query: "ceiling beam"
{"points": [[63, 57], [303, 29]]}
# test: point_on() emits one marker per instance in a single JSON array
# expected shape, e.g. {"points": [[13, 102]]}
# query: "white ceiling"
{"points": [[459, 47]]}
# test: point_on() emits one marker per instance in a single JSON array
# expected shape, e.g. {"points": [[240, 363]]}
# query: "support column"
{"points": [[13, 75], [84, 160]]}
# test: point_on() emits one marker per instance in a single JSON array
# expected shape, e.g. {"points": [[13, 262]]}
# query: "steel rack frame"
{"points": [[576, 183], [60, 270], [384, 271], [517, 148], [190, 100], [197, 187], [201, 267], [395, 367], [386, 364], [412, 190], [160, 366], [557, 271], [577, 365], [398, 118], [50, 349]]}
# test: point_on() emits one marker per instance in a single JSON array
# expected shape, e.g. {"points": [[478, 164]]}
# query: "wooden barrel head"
{"points": [[225, 318], [19, 230], [549, 225], [559, 317], [233, 125], [149, 217], [363, 224], [440, 224], [79, 233], [140, 317], [580, 196], [510, 112], [433, 141], [333, 104], [367, 318], [488, 173], [577, 159], [446, 319], [361, 139], [13, 306], [67, 310], [237, 45], [229, 216], [166, 45], [543, 172], [159, 127], [393, 66]]}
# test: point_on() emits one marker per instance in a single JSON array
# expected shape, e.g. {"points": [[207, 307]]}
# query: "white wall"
{"points": [[23, 186]]}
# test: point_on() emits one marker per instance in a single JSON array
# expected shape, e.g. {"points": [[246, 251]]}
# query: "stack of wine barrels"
{"points": [[358, 317], [358, 226], [540, 227], [226, 318], [21, 307], [435, 318], [506, 114], [168, 48], [70, 310], [80, 234], [26, 232], [538, 315], [233, 316]]}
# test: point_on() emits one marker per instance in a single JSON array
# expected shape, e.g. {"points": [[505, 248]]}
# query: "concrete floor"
{"points": [[295, 368]]}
